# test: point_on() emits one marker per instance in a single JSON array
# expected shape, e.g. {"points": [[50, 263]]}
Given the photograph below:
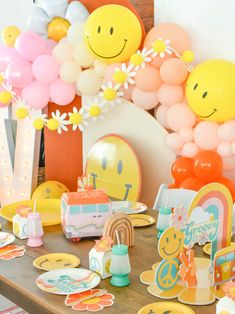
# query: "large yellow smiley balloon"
{"points": [[112, 165], [113, 33], [210, 90]]}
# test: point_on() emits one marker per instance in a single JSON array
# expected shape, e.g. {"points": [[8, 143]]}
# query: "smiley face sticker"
{"points": [[112, 33], [112, 165]]}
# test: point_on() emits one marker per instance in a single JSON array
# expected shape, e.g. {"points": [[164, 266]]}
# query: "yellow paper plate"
{"points": [[207, 248], [141, 220], [56, 261], [166, 307], [49, 210]]}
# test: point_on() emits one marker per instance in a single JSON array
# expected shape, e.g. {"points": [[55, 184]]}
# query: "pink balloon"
{"points": [[30, 45], [62, 93], [186, 135], [180, 116], [144, 100], [19, 73], [206, 135], [148, 79], [229, 163], [173, 71], [46, 69], [169, 94], [224, 149], [160, 114], [190, 150], [50, 45], [226, 131], [233, 147], [174, 142], [36, 95], [7, 55], [109, 72], [179, 39]]}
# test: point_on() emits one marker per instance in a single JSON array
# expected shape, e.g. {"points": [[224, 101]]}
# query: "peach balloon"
{"points": [[190, 150], [127, 93], [186, 135], [169, 94], [226, 131], [180, 116], [233, 147], [224, 149], [173, 71], [179, 39], [206, 135], [229, 163], [144, 100], [109, 72], [148, 79], [160, 114], [174, 141]]}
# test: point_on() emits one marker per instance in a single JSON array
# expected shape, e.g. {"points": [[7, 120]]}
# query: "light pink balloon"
{"points": [[226, 131], [50, 44], [206, 135], [224, 149], [190, 150], [229, 163], [180, 116], [174, 142], [19, 73], [36, 95], [233, 147], [186, 135], [169, 94], [148, 79], [110, 70], [30, 45], [7, 55], [62, 93], [173, 72], [46, 69], [144, 100], [160, 114]]}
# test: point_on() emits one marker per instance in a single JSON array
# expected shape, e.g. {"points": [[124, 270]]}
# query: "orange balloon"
{"points": [[182, 169], [173, 186], [229, 184], [193, 183]]}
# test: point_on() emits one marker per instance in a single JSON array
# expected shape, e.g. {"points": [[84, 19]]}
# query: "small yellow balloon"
{"points": [[112, 33], [210, 90], [58, 28], [9, 35]]}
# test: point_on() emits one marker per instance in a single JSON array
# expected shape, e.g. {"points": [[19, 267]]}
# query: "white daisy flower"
{"points": [[60, 118], [9, 88], [140, 58], [95, 109], [161, 47], [45, 17], [124, 75], [78, 119], [110, 94]]}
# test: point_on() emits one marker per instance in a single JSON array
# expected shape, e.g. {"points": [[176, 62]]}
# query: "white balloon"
{"points": [[63, 52], [89, 82], [70, 71], [55, 8], [82, 55], [76, 12], [100, 67], [75, 33], [38, 21]]}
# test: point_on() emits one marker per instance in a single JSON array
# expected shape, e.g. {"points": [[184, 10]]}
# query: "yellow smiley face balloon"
{"points": [[112, 165], [210, 90], [170, 243], [113, 33], [9, 35]]}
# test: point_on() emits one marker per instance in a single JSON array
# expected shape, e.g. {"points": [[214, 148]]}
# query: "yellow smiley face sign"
{"points": [[112, 165], [112, 33], [170, 243], [210, 90]]}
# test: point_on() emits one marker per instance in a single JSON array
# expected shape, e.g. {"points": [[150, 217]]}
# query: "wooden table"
{"points": [[17, 277]]}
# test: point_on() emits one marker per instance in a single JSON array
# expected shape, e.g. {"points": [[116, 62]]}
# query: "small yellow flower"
{"points": [[188, 56], [53, 124], [38, 124], [110, 94], [140, 58], [95, 109], [78, 119], [161, 47], [21, 113], [124, 75]]}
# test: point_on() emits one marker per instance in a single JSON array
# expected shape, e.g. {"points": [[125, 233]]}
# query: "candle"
{"points": [[120, 266], [35, 231], [163, 221]]}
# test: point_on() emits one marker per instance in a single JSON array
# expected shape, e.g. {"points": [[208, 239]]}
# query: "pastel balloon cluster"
{"points": [[33, 72]]}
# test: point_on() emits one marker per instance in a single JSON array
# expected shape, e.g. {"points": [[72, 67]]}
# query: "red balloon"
{"points": [[193, 183], [229, 184], [207, 166], [182, 169]]}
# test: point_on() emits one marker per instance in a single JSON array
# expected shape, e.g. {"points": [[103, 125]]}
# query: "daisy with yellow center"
{"points": [[7, 95], [140, 58], [110, 94], [124, 75], [78, 119], [58, 122], [95, 109], [161, 47], [22, 110], [39, 119]]}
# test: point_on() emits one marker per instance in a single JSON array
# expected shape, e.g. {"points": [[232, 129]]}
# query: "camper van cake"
{"points": [[84, 213]]}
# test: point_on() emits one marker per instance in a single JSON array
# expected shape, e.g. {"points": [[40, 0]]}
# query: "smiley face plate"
{"points": [[56, 261]]}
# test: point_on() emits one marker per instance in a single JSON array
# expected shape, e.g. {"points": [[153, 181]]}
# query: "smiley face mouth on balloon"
{"points": [[128, 186], [208, 116], [172, 253], [109, 57]]}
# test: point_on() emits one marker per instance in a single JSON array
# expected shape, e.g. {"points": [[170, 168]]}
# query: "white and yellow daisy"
{"points": [[21, 110], [124, 75], [7, 95], [140, 58], [39, 119], [161, 47], [78, 119], [58, 122], [95, 108], [110, 94]]}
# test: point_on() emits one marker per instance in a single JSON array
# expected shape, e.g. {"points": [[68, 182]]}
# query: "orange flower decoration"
{"points": [[93, 305], [104, 244], [229, 290]]}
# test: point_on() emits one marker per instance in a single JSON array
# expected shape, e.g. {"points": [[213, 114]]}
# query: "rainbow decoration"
{"points": [[217, 197]]}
